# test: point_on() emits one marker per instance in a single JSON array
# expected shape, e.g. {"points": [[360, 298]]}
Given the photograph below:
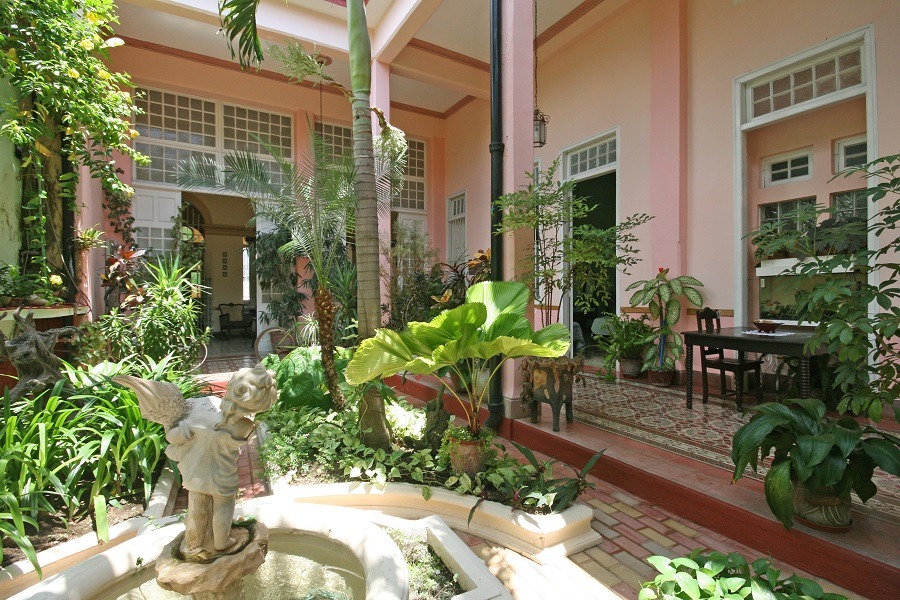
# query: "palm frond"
{"points": [[238, 19]]}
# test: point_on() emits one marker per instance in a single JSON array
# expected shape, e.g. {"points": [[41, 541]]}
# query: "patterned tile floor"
{"points": [[659, 417], [632, 530]]}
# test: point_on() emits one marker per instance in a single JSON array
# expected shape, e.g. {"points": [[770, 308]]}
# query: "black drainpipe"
{"points": [[495, 405]]}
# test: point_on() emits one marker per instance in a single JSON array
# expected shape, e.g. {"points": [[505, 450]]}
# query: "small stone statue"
{"points": [[31, 352], [204, 436]]}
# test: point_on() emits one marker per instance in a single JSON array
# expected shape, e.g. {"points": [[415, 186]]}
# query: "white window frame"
{"points": [[219, 149], [788, 157], [407, 178], [791, 65], [451, 220], [840, 151], [865, 36]]}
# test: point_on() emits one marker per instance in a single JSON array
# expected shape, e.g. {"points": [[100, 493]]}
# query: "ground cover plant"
{"points": [[67, 456], [429, 578], [320, 446], [729, 577]]}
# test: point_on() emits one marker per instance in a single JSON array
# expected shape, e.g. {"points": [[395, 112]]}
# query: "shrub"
{"points": [[301, 379], [716, 575]]}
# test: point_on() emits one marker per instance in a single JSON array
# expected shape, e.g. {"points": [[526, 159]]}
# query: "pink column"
{"points": [[380, 96], [668, 134], [518, 108]]}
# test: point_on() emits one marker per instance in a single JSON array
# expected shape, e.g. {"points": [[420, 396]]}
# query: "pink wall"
{"points": [[724, 42], [468, 169]]}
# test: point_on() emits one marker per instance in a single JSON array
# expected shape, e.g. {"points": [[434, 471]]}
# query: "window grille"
{"points": [[163, 166], [456, 228], [816, 78], [412, 196], [337, 139], [788, 210], [592, 157], [171, 117], [242, 124], [848, 205]]}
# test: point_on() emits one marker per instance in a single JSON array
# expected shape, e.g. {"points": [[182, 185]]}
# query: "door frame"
{"points": [[565, 154]]}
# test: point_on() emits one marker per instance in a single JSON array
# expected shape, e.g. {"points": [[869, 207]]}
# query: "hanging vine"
{"points": [[68, 110]]}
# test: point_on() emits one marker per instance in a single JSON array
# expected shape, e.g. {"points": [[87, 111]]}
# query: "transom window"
{"points": [[175, 127], [788, 210], [787, 167], [850, 152], [412, 196], [816, 78], [849, 205], [592, 157]]}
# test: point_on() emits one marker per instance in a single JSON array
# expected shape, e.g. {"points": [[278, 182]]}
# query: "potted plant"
{"points": [[662, 294], [816, 461], [624, 340], [490, 324], [566, 260]]}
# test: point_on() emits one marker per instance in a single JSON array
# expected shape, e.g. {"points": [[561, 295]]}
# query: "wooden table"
{"points": [[734, 338]]}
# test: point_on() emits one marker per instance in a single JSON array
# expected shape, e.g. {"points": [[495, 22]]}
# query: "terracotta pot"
{"points": [[661, 378], [630, 367], [466, 456], [822, 509]]}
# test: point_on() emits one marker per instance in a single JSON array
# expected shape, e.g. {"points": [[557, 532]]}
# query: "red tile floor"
{"points": [[649, 519]]}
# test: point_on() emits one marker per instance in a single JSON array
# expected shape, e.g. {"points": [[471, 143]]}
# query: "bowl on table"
{"points": [[766, 326]]}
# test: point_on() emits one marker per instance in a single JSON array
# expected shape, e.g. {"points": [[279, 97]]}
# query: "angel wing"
{"points": [[159, 401]]}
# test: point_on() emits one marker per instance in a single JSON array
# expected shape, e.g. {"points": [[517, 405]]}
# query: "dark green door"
{"points": [[600, 193]]}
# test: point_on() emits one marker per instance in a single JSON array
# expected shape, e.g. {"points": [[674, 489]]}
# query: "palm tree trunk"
{"points": [[325, 311], [372, 420]]}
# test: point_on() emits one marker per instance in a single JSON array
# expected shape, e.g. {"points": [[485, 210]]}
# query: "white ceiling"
{"points": [[462, 26]]}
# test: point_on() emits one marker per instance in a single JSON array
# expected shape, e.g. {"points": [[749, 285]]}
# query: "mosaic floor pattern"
{"points": [[658, 417]]}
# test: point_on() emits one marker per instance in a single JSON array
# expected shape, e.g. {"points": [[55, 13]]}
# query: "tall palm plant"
{"points": [[313, 199], [239, 25]]}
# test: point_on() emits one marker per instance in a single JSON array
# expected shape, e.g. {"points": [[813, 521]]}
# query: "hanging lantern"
{"points": [[540, 128]]}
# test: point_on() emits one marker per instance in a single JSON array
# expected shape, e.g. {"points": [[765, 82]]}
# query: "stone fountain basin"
{"points": [[382, 563], [542, 538]]}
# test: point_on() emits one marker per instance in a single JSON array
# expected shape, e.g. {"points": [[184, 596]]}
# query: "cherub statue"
{"points": [[204, 436]]}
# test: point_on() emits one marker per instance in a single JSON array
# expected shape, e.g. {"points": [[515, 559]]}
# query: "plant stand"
{"points": [[551, 381]]}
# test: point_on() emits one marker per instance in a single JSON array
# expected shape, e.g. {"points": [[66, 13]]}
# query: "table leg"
{"points": [[804, 377], [739, 384], [689, 374]]}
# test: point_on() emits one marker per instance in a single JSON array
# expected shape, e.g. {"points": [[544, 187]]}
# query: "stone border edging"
{"points": [[21, 575], [542, 538]]}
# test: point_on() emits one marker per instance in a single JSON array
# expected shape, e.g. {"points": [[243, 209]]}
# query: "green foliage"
{"points": [[413, 279], [301, 379], [579, 263], [275, 272], [857, 317], [727, 577], [812, 450], [624, 338], [458, 276], [490, 324], [67, 105], [61, 455], [662, 295], [163, 322], [429, 578], [311, 442]]}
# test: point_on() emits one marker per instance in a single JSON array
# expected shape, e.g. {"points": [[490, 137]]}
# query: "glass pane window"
{"points": [[245, 129], [812, 80], [787, 168], [456, 228], [412, 196], [848, 205], [337, 139], [174, 117], [850, 152], [592, 157], [788, 211]]}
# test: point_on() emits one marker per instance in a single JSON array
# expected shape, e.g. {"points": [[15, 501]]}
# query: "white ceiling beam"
{"points": [[275, 19], [419, 65], [398, 26]]}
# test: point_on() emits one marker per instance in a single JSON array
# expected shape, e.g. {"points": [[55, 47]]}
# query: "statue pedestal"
{"points": [[221, 579]]}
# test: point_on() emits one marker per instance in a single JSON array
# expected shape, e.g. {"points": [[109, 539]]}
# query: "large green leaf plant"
{"points": [[662, 296], [490, 324], [810, 449]]}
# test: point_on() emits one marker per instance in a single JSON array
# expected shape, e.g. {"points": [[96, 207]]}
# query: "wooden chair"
{"points": [[708, 319]]}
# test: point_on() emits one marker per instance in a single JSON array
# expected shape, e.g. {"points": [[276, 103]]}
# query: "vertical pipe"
{"points": [[495, 405]]}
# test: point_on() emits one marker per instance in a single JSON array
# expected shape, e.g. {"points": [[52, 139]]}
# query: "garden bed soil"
{"points": [[53, 530]]}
